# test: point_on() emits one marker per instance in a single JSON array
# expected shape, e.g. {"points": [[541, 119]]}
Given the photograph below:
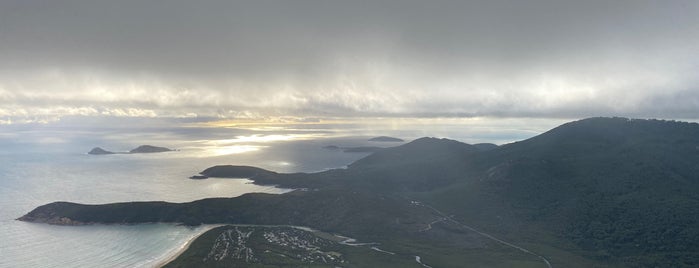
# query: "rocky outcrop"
{"points": [[47, 214]]}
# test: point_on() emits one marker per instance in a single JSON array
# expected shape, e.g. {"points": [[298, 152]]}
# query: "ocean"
{"points": [[39, 167], [43, 163]]}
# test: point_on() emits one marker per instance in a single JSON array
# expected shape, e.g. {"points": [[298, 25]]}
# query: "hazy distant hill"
{"points": [[143, 149], [358, 149], [98, 151], [485, 146], [149, 149], [386, 139], [594, 192]]}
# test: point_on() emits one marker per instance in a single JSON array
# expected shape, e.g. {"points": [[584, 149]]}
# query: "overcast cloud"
{"points": [[397, 58]]}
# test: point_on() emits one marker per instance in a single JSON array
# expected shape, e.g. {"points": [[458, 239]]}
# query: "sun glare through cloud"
{"points": [[363, 133]]}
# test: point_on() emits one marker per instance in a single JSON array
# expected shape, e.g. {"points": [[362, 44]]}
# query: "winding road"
{"points": [[546, 261]]}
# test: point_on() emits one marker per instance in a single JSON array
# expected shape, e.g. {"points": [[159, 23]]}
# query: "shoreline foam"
{"points": [[185, 246]]}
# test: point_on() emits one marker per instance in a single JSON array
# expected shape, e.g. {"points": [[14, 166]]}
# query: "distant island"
{"points": [[362, 149], [598, 192], [332, 147], [386, 139], [358, 149], [146, 149], [98, 151], [143, 149]]}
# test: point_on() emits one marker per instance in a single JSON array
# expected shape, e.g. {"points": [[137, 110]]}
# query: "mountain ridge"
{"points": [[598, 191]]}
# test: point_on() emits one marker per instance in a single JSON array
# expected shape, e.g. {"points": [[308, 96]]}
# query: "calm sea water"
{"points": [[38, 168], [40, 164]]}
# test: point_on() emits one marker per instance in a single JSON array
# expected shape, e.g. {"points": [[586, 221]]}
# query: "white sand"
{"points": [[186, 245]]}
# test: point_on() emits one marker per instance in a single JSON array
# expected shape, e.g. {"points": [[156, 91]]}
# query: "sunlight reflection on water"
{"points": [[243, 144], [231, 149], [44, 164]]}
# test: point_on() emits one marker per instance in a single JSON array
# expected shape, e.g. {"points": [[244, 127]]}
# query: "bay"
{"points": [[33, 174]]}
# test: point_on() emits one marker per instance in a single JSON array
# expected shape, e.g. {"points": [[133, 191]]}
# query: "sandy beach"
{"points": [[186, 245]]}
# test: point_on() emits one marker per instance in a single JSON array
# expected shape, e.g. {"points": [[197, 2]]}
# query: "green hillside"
{"points": [[590, 193]]}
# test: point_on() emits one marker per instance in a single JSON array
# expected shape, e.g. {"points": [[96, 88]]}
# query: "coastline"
{"points": [[341, 239], [186, 245]]}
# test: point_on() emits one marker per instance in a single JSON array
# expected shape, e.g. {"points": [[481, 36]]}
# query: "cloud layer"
{"points": [[232, 59]]}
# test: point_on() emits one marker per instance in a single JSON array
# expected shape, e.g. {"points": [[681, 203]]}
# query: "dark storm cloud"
{"points": [[347, 58]]}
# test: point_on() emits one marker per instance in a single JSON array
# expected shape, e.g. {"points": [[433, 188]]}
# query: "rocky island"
{"points": [[598, 192], [99, 151], [143, 149], [147, 149]]}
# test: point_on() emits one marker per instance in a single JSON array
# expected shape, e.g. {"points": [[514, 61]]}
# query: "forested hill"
{"points": [[622, 189], [613, 191]]}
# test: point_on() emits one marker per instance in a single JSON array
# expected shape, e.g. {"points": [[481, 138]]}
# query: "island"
{"points": [[99, 151], [233, 171], [358, 149], [143, 149], [362, 149], [146, 149], [386, 139], [597, 192]]}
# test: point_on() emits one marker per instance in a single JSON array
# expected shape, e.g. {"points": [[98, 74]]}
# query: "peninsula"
{"points": [[598, 192]]}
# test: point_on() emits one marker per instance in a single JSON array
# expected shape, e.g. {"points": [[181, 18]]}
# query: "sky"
{"points": [[318, 60]]}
